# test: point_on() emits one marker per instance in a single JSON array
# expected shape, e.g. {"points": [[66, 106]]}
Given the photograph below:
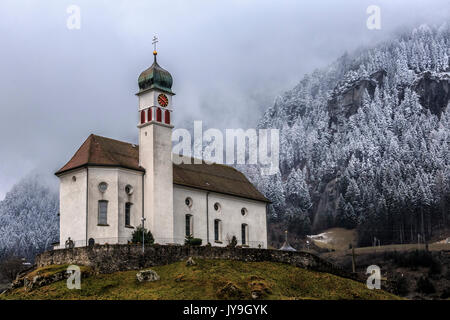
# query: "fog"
{"points": [[229, 60]]}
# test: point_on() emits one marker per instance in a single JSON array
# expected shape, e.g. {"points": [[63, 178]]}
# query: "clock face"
{"points": [[163, 100]]}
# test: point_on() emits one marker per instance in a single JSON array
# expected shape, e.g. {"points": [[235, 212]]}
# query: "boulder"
{"points": [[230, 291], [147, 275], [18, 283], [41, 280], [190, 262], [259, 289]]}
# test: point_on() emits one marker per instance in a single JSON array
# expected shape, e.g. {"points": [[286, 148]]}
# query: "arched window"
{"points": [[158, 114], [149, 114], [217, 230], [167, 117], [128, 214], [189, 225], [244, 234], [102, 213], [142, 117]]}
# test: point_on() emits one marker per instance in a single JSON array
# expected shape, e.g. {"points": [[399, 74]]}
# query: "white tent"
{"points": [[286, 246]]}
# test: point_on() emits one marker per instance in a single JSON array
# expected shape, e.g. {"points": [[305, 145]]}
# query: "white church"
{"points": [[110, 187]]}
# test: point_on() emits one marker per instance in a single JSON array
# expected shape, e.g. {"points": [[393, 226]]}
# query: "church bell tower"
{"points": [[155, 149]]}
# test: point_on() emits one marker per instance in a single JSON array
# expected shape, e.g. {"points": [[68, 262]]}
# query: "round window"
{"points": [[102, 186], [217, 206], [188, 202], [244, 211], [129, 190]]}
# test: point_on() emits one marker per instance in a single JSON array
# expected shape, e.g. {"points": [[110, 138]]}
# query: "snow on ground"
{"points": [[325, 237], [335, 238]]}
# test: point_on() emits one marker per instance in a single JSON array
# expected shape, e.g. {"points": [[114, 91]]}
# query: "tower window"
{"points": [[217, 230], [158, 115], [149, 114], [102, 212], [217, 206], [244, 212], [142, 116], [128, 213], [167, 117], [244, 234], [189, 225], [188, 202]]}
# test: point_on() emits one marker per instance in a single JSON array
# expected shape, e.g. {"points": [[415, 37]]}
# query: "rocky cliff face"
{"points": [[433, 91], [346, 102]]}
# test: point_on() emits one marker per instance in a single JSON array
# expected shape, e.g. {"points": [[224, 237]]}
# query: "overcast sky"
{"points": [[229, 60]]}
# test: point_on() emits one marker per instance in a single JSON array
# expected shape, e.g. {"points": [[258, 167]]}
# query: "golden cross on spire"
{"points": [[154, 42]]}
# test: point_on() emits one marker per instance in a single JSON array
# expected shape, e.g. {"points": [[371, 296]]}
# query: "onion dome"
{"points": [[155, 77]]}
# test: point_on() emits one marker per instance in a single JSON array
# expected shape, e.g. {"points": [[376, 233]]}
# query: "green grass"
{"points": [[205, 281], [47, 271]]}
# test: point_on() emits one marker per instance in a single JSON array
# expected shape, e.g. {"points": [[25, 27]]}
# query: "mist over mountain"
{"points": [[365, 143]]}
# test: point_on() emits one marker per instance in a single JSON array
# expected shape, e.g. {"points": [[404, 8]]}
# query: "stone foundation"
{"points": [[112, 258]]}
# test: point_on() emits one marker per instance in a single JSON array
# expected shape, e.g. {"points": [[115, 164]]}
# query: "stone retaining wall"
{"points": [[112, 258]]}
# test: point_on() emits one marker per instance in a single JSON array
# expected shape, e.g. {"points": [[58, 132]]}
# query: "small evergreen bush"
{"points": [[136, 237], [191, 241]]}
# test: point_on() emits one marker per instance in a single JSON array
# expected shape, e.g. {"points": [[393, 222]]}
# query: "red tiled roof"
{"points": [[101, 151]]}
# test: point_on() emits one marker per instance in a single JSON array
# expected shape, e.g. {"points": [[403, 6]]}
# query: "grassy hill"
{"points": [[209, 279]]}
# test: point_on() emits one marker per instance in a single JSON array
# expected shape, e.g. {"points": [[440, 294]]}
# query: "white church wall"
{"points": [[134, 179], [72, 197], [229, 215], [109, 232], [73, 205], [73, 211], [231, 219], [197, 210]]}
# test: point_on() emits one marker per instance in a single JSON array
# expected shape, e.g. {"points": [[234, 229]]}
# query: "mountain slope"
{"points": [[28, 219], [366, 143]]}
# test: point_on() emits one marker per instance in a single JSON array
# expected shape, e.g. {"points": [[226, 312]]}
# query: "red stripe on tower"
{"points": [[142, 117], [149, 114]]}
